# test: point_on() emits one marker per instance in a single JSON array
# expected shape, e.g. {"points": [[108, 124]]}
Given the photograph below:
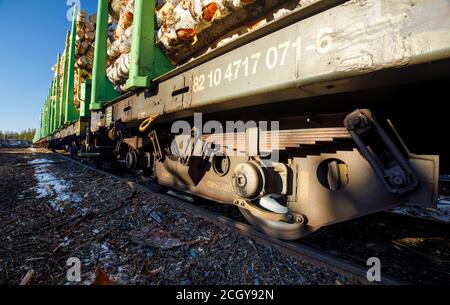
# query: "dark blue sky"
{"points": [[33, 32]]}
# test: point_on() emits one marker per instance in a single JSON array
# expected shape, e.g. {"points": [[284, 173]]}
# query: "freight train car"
{"points": [[300, 113]]}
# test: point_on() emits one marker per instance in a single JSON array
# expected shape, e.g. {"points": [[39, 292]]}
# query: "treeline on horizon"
{"points": [[25, 135]]}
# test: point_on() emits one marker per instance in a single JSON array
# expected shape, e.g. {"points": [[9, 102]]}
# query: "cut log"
{"points": [[126, 16], [118, 72], [80, 35], [90, 27], [90, 36], [121, 45], [93, 19]]}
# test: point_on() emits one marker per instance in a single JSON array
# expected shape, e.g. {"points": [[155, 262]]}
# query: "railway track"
{"points": [[424, 221], [303, 250]]}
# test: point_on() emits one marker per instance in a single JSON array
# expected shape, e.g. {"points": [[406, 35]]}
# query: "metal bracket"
{"points": [[116, 133], [117, 149], [156, 147], [385, 158], [102, 90], [71, 114]]}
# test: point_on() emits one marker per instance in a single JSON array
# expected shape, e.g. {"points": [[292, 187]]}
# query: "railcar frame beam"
{"points": [[353, 46]]}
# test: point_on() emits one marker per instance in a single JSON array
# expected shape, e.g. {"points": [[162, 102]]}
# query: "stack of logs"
{"points": [[119, 42], [181, 22], [189, 28], [84, 51], [60, 81], [84, 56]]}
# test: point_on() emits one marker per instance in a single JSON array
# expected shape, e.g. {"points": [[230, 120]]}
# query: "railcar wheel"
{"points": [[277, 229]]}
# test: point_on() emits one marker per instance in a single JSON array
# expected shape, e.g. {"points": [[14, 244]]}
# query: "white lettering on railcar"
{"points": [[271, 58]]}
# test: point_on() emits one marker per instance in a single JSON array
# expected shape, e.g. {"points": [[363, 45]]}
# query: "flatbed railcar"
{"points": [[355, 89]]}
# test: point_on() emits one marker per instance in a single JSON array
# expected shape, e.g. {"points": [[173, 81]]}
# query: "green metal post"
{"points": [[50, 109], [53, 105], [43, 120], [49, 105], [49, 113], [55, 100], [62, 113], [147, 59], [40, 128], [57, 94], [46, 117], [71, 113], [102, 90], [42, 124]]}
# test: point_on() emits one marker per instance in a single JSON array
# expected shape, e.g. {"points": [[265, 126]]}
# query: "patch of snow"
{"points": [[441, 212], [37, 161], [48, 185]]}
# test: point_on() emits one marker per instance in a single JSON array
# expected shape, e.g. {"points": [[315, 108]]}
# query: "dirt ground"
{"points": [[53, 210]]}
